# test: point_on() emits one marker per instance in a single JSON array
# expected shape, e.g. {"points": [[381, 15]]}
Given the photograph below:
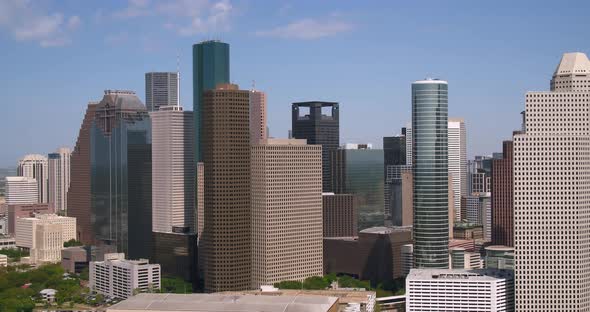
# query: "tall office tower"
{"points": [[121, 172], [35, 166], [21, 190], [551, 207], [360, 172], [173, 192], [431, 176], [340, 215], [394, 153], [289, 250], [226, 158], [58, 167], [503, 197], [200, 215], [79, 192], [399, 194], [161, 89], [210, 68], [457, 151], [318, 123], [258, 128], [394, 150]]}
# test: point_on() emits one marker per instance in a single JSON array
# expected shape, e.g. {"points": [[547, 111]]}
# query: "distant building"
{"points": [[21, 190], [74, 259], [431, 175], [478, 210], [499, 257], [457, 159], [3, 260], [459, 290], [318, 123], [459, 258], [407, 258], [4, 225], [7, 242], [286, 211], [466, 230], [35, 167], [503, 197], [58, 171], [116, 277], [377, 253], [340, 216], [25, 210], [258, 128], [360, 172], [44, 236], [225, 302], [161, 89]]}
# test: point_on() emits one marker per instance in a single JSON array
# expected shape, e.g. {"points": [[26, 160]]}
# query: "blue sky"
{"points": [[58, 55]]}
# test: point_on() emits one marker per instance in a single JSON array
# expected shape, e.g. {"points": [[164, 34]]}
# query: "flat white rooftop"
{"points": [[223, 302], [458, 274]]}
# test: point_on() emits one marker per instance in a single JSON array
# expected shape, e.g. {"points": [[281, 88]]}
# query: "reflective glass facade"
{"points": [[210, 68], [120, 158], [431, 177]]}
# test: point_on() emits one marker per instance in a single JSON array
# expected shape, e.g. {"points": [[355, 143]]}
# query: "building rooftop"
{"points": [[273, 141], [344, 296], [34, 157], [572, 63], [430, 81], [500, 248], [19, 179], [454, 274], [386, 230], [224, 302], [123, 100]]}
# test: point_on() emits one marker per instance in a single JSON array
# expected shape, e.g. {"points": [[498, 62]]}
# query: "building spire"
{"points": [[178, 80]]}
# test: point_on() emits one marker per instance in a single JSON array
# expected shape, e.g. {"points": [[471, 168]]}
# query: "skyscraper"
{"points": [[318, 123], [121, 171], [395, 158], [210, 68], [173, 192], [79, 205], [21, 190], [34, 166], [58, 167], [286, 211], [226, 159], [161, 89], [551, 207], [258, 129], [503, 197], [431, 176], [457, 152]]}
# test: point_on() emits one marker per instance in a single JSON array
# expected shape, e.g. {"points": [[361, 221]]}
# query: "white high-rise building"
{"points": [[173, 171], [21, 190], [120, 278], [161, 89], [286, 201], [551, 193], [460, 290], [35, 166], [58, 167], [457, 154], [44, 236], [409, 144], [258, 128]]}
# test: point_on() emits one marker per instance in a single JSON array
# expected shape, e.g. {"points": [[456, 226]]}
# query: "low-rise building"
{"points": [[4, 225], [7, 242], [74, 259], [48, 294], [3, 260], [459, 290], [119, 278], [44, 236], [225, 302], [466, 230], [459, 258], [23, 211], [499, 257]]}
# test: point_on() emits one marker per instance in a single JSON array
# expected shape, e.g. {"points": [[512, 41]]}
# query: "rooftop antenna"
{"points": [[178, 80], [253, 85]]}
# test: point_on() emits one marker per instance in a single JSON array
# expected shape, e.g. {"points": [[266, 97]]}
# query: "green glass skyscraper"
{"points": [[431, 177], [210, 68]]}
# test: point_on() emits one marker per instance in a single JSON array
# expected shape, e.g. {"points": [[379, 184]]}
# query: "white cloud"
{"points": [[308, 29], [25, 22], [185, 17]]}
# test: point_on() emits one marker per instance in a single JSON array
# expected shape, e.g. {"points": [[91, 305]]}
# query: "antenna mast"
{"points": [[178, 80]]}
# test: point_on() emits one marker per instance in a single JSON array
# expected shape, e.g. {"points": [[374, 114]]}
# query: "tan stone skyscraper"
{"points": [[225, 144], [286, 199], [551, 193]]}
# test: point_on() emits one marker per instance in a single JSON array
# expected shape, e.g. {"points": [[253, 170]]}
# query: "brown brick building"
{"points": [[340, 215], [503, 197]]}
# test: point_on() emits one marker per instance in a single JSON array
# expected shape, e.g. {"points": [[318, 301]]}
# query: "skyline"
{"points": [[363, 57]]}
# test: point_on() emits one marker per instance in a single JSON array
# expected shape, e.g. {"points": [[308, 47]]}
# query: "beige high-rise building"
{"points": [[225, 142], [34, 166], [21, 190], [58, 167], [257, 116], [551, 206], [457, 154], [286, 199]]}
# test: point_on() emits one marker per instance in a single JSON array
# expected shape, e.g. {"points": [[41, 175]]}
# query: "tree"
{"points": [[175, 286], [289, 285], [72, 243], [315, 282]]}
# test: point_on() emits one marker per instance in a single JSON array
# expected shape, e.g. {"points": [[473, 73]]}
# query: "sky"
{"points": [[57, 55]]}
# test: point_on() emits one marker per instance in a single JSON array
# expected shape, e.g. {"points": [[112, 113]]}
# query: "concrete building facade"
{"points": [[340, 215], [58, 170], [34, 166], [457, 155], [161, 89], [258, 128], [44, 236], [21, 190]]}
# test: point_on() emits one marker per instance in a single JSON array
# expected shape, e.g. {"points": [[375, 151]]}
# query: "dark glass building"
{"points": [[503, 197], [394, 153], [431, 176], [120, 180], [210, 68], [318, 122], [360, 172]]}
